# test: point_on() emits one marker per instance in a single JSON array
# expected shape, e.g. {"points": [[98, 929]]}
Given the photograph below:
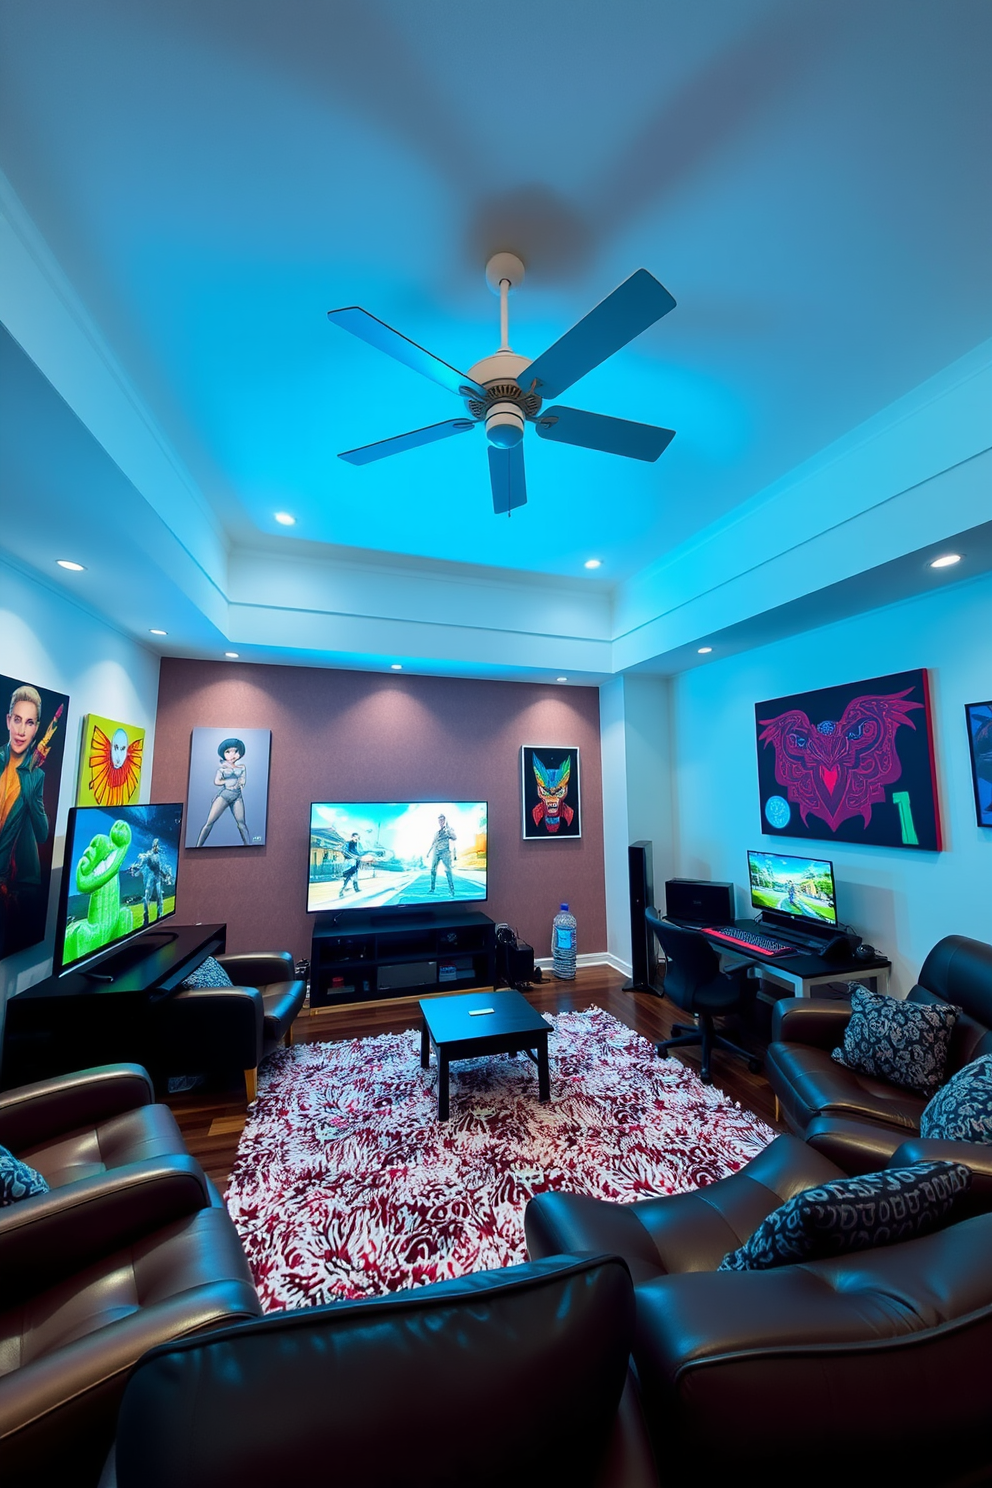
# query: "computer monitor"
{"points": [[801, 887]]}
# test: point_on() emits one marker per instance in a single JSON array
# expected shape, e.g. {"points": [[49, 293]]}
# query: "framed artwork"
{"points": [[979, 716], [853, 763], [552, 806], [30, 781], [228, 795], [109, 763]]}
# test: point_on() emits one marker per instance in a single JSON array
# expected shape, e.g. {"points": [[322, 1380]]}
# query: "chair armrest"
{"points": [[221, 1024], [51, 1236], [857, 1146], [257, 970], [810, 1020], [975, 1155], [30, 1114]]}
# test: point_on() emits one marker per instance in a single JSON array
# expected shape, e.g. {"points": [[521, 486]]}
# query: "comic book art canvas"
{"points": [[228, 797], [979, 716], [550, 792], [853, 763], [110, 762], [33, 744]]}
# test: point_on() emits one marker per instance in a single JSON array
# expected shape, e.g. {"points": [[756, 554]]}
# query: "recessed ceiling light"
{"points": [[593, 563], [705, 650], [285, 519], [158, 632], [561, 679], [232, 655], [945, 560], [68, 563], [397, 666]]}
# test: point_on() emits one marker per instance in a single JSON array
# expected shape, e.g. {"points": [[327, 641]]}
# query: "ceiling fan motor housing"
{"points": [[506, 407]]}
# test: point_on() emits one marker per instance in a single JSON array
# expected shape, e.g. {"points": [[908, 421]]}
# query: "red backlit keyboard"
{"points": [[751, 940]]}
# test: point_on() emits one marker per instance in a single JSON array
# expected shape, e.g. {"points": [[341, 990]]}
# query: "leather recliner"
{"points": [[229, 1028], [854, 1119], [516, 1376], [864, 1369]]}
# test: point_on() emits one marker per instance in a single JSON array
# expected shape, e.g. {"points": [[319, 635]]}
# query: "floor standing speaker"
{"points": [[642, 956]]}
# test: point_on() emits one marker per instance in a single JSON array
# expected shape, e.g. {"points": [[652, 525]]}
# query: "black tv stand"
{"points": [[362, 955]]}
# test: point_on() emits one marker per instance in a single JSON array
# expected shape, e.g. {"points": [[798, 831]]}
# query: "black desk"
{"points": [[478, 1023], [805, 970], [71, 1022]]}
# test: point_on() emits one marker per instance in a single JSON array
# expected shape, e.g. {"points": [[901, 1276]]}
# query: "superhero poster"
{"points": [[851, 764], [110, 762], [30, 779], [550, 792]]}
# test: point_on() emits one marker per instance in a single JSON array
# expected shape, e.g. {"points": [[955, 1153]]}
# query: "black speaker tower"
{"points": [[642, 958]]}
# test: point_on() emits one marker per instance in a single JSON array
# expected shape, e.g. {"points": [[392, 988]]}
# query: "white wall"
{"points": [[48, 640], [901, 901]]}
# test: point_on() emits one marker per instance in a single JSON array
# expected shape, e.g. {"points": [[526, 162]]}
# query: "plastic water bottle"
{"points": [[563, 945]]}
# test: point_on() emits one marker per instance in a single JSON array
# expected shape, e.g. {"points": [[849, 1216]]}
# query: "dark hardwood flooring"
{"points": [[212, 1120]]}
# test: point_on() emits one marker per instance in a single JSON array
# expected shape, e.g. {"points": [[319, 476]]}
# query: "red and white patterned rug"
{"points": [[345, 1185]]}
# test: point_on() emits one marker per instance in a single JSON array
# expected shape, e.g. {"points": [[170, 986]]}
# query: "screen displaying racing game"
{"points": [[369, 854], [119, 876], [803, 887]]}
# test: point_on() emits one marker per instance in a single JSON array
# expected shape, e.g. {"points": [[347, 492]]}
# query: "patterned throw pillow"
{"points": [[853, 1214], [903, 1042], [17, 1179], [961, 1111], [208, 974]]}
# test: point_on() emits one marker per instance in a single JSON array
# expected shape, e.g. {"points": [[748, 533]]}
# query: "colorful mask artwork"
{"points": [[110, 762], [550, 792]]}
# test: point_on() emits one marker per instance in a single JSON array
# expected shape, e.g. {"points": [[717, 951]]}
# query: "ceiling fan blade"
{"points": [[624, 314], [506, 473], [613, 436], [401, 442], [367, 328]]}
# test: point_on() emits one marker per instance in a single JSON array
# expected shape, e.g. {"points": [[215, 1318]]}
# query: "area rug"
{"points": [[345, 1184]]}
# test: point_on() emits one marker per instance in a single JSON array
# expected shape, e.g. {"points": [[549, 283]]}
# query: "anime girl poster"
{"points": [[30, 779], [228, 795], [110, 762]]}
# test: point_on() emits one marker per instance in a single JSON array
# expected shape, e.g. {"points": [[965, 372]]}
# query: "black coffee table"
{"points": [[477, 1023]]}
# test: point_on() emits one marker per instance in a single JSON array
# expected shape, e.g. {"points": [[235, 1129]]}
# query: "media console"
{"points": [[74, 1021], [361, 955]]}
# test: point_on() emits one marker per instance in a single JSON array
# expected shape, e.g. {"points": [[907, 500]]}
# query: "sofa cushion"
{"points": [[208, 974], [905, 1042], [853, 1214], [961, 1111], [18, 1180], [809, 1084]]}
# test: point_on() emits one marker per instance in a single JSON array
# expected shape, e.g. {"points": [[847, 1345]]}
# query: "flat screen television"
{"points": [[374, 854], [801, 887], [118, 877]]}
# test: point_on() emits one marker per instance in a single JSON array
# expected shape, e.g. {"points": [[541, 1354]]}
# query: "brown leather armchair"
{"points": [[855, 1120], [230, 1028], [868, 1368]]}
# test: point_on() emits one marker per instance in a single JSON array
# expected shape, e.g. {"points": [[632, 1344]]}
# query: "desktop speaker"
{"points": [[699, 901], [643, 965]]}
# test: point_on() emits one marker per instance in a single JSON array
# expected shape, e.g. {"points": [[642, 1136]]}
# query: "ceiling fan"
{"points": [[505, 391]]}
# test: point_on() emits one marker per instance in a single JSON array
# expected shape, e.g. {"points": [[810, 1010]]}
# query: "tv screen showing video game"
{"points": [[119, 876], [803, 887], [369, 854]]}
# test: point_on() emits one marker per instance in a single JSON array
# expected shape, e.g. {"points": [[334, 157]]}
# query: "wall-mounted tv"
{"points": [[802, 887], [118, 878], [374, 854]]}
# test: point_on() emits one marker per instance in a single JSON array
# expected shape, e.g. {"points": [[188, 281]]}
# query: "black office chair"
{"points": [[694, 981]]}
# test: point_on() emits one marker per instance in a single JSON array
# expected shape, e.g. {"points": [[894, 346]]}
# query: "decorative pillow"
{"points": [[961, 1111], [17, 1179], [903, 1042], [208, 974], [853, 1214]]}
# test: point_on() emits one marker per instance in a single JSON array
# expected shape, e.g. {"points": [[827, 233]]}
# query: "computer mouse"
{"points": [[865, 953]]}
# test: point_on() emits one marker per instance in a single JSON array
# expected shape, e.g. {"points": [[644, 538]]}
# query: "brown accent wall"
{"points": [[364, 736]]}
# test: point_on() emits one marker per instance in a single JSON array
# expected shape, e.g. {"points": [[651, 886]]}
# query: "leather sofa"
{"points": [[864, 1369], [131, 1247], [515, 1376], [854, 1119], [223, 1029]]}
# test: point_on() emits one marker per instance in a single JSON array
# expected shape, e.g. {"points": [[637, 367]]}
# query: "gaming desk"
{"points": [[805, 970]]}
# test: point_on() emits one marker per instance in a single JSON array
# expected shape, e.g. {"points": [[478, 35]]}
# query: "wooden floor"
{"points": [[212, 1121]]}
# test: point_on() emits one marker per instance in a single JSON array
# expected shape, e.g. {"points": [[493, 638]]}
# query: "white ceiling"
{"points": [[809, 179]]}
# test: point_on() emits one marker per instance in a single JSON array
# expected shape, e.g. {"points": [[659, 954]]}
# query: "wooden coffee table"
{"points": [[477, 1023]]}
